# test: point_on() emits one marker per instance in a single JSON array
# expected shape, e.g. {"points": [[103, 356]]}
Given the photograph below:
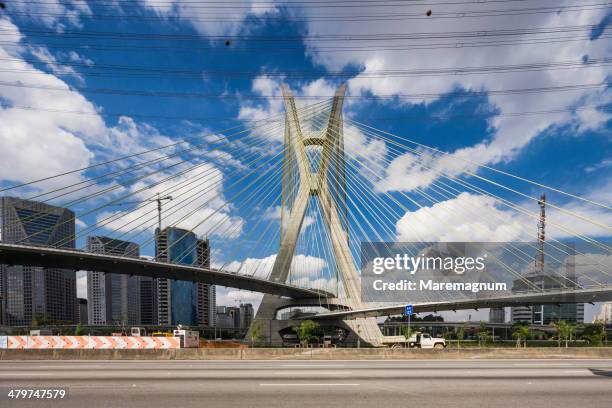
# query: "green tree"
{"points": [[78, 330], [594, 333], [461, 333], [407, 332], [521, 332], [483, 334], [256, 332], [564, 331], [306, 331]]}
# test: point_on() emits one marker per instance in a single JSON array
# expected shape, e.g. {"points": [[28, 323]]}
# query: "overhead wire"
{"points": [[449, 14]]}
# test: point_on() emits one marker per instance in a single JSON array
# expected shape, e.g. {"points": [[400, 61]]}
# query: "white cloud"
{"points": [[210, 21], [306, 271], [197, 205], [274, 214], [54, 13], [604, 164], [479, 218], [38, 143], [40, 140], [234, 297], [510, 134], [445, 221], [45, 56]]}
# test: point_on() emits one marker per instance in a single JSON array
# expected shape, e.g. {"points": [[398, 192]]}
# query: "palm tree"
{"points": [[571, 330], [483, 334], [521, 332], [256, 332], [561, 328], [407, 332], [461, 333]]}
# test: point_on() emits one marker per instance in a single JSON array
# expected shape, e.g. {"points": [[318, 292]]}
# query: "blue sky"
{"points": [[560, 138]]}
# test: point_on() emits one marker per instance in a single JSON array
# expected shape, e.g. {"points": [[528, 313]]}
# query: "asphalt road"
{"points": [[304, 384]]}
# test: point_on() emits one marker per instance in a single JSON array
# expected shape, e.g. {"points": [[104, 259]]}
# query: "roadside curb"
{"points": [[309, 354]]}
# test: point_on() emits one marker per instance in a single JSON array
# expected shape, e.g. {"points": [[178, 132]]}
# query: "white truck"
{"points": [[417, 340]]}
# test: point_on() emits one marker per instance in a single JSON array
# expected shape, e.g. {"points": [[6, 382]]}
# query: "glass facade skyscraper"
{"points": [[34, 293], [182, 302]]}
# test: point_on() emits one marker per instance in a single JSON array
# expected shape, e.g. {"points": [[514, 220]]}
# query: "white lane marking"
{"points": [[315, 365], [541, 364], [308, 384], [583, 371], [13, 374], [312, 372], [71, 366]]}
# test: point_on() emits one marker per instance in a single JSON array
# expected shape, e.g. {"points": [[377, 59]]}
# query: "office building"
{"points": [[113, 299], [497, 315], [605, 314], [207, 294], [246, 315], [147, 287], [543, 277], [36, 294], [228, 317], [545, 314], [81, 317], [182, 302]]}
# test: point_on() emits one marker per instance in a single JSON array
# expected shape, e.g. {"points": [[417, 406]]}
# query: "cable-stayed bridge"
{"points": [[287, 201]]}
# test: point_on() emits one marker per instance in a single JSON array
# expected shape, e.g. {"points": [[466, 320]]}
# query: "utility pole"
{"points": [[159, 201], [159, 209], [539, 261]]}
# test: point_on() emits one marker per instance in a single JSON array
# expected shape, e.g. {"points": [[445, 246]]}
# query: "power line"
{"points": [[198, 95], [185, 73], [90, 47], [35, 32], [418, 117], [458, 14], [220, 5], [234, 129]]}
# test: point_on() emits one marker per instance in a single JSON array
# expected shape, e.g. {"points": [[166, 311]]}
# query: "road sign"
{"points": [[408, 311]]}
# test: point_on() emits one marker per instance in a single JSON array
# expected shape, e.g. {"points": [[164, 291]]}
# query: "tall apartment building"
{"points": [[113, 299], [605, 314], [246, 315], [147, 287], [36, 293], [181, 302]]}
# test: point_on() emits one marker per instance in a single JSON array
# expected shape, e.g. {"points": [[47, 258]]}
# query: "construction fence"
{"points": [[88, 342]]}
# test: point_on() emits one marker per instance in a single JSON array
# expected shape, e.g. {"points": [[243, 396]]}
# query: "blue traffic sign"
{"points": [[408, 311]]}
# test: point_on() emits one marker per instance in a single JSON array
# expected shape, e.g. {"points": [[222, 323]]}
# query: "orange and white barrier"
{"points": [[88, 342]]}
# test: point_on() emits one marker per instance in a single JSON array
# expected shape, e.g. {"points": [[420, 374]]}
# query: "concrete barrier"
{"points": [[309, 354], [88, 342]]}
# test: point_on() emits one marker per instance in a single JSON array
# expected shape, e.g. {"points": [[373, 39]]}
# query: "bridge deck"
{"points": [[591, 295], [12, 254]]}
